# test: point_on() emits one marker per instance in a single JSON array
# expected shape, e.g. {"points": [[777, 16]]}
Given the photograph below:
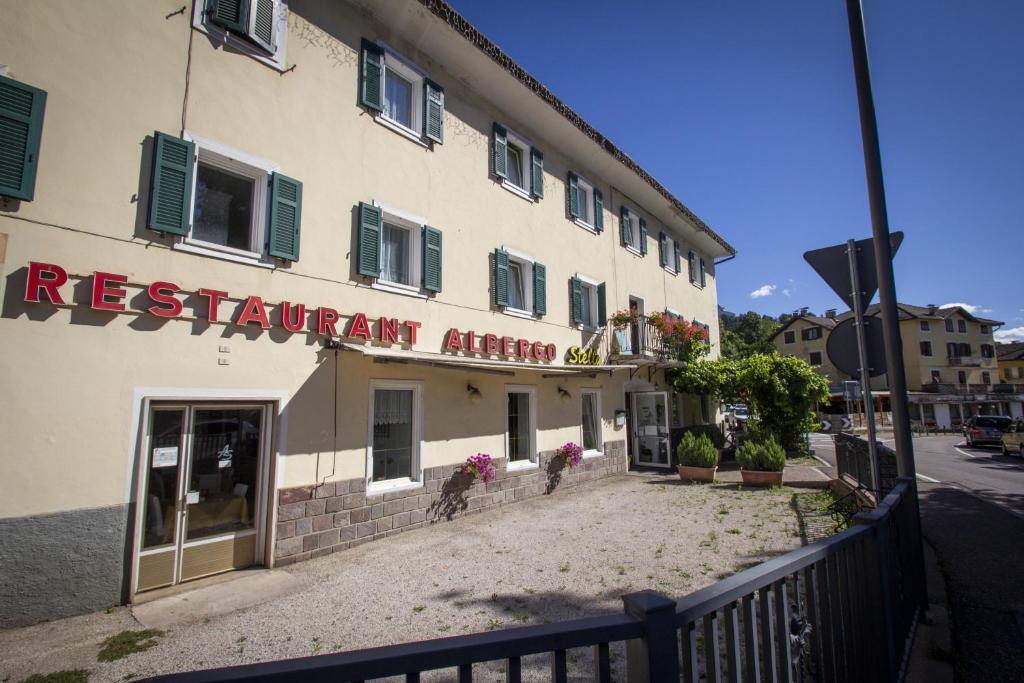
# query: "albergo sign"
{"points": [[45, 279]]}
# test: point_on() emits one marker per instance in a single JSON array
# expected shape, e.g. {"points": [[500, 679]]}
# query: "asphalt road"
{"points": [[972, 513]]}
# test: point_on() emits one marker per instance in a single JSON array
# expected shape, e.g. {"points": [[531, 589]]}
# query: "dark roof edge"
{"points": [[461, 25]]}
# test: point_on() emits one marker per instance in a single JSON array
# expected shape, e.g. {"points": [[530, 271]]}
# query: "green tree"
{"points": [[781, 391], [745, 334]]}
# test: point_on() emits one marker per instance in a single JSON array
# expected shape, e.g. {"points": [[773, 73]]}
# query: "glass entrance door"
{"points": [[202, 491], [650, 429]]}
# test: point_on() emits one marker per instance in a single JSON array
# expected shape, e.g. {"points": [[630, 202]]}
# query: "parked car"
{"points": [[1013, 439], [986, 429]]}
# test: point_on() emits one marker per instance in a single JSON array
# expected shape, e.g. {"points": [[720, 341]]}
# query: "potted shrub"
{"points": [[762, 461], [698, 458]]}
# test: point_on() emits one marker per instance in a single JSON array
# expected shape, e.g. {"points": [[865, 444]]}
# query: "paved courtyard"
{"points": [[546, 559]]}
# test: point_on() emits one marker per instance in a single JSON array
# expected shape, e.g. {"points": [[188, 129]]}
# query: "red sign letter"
{"points": [[326, 318], [538, 350], [156, 292], [507, 348], [387, 329], [490, 345], [552, 352], [56, 276], [253, 312], [454, 340], [522, 348], [471, 342], [359, 327], [286, 316], [214, 296], [412, 326], [100, 291]]}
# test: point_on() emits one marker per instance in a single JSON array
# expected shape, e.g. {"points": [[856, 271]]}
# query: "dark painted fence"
{"points": [[854, 462], [841, 609]]}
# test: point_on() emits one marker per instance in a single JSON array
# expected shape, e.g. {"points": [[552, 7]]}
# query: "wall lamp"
{"points": [[564, 394], [473, 393]]}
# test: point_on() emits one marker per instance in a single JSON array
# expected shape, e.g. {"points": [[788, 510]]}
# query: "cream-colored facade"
{"points": [[83, 383], [949, 360]]}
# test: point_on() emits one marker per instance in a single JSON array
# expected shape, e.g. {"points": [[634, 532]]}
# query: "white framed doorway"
{"points": [[651, 442]]}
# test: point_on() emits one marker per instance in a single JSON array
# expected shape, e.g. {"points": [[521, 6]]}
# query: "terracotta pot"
{"points": [[758, 478], [687, 473]]}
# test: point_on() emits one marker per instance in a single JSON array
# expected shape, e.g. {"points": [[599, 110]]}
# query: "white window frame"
{"points": [[592, 285], [414, 224], [219, 155], [200, 22], [586, 203], [670, 246], [525, 262], [416, 468], [407, 69], [515, 139], [595, 391], [633, 247], [533, 461]]}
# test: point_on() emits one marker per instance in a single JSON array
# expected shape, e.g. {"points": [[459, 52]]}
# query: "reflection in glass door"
{"points": [[202, 491], [650, 429]]}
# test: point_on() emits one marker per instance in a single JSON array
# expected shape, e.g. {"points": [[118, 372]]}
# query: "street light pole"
{"points": [[883, 248]]}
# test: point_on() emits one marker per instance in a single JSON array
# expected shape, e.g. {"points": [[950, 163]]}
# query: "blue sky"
{"points": [[747, 112]]}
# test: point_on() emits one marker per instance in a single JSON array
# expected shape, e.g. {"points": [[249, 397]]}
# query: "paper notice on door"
{"points": [[192, 497], [650, 430], [166, 456]]}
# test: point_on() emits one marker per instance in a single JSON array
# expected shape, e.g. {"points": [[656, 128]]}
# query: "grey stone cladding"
{"points": [[313, 521]]}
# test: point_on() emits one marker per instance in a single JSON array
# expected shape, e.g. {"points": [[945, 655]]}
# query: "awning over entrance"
{"points": [[385, 354]]}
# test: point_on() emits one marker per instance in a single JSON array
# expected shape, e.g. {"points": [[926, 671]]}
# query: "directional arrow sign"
{"points": [[833, 265]]}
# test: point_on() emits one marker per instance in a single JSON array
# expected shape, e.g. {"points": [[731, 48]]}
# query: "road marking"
{"points": [[964, 453], [928, 479], [824, 462]]}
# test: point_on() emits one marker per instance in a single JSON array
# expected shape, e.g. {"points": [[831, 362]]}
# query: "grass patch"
{"points": [[126, 643], [65, 676]]}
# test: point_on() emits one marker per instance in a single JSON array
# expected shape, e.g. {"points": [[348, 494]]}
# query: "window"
{"points": [[586, 203], [634, 231], [926, 348], [1008, 373], [961, 326], [520, 283], [811, 333], [400, 94], [949, 324], [925, 326], [984, 329], [257, 28], [393, 456], [961, 377], [691, 259], [986, 378], [398, 250], [587, 306], [668, 252], [790, 337], [403, 93], [590, 421], [516, 163], [703, 273], [936, 376], [21, 120], [815, 358], [987, 351], [521, 426]]}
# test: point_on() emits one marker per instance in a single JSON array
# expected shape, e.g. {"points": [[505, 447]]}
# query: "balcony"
{"points": [[641, 341], [969, 361], [988, 390]]}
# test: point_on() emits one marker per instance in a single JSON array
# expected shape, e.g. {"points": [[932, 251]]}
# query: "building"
{"points": [[1010, 360], [948, 355], [274, 269]]}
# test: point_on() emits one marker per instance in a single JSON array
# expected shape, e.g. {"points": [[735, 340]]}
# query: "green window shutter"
{"points": [[574, 195], [691, 265], [431, 259], [598, 210], [626, 226], [602, 306], [231, 14], [643, 236], [663, 249], [433, 105], [285, 217], [261, 30], [21, 129], [537, 173], [540, 289], [500, 277], [370, 223], [576, 290], [170, 190], [678, 252], [703, 273], [499, 156], [371, 76]]}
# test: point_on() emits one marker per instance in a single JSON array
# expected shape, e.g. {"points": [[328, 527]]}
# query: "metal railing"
{"points": [[842, 609], [853, 463], [950, 389], [644, 339]]}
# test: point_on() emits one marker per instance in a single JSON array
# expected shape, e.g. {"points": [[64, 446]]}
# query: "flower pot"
{"points": [[759, 478], [687, 473]]}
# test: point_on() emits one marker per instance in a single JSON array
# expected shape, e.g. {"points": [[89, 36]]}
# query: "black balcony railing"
{"points": [[947, 389], [642, 338]]}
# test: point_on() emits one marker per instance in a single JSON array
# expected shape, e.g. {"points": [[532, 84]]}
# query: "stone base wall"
{"points": [[313, 521]]}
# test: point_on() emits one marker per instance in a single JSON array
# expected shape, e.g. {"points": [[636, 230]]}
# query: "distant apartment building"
{"points": [[1010, 360], [949, 356]]}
